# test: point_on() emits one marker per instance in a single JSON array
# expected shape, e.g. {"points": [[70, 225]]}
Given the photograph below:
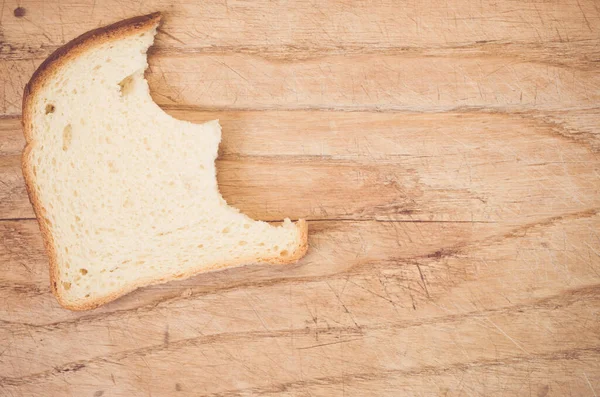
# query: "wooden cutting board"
{"points": [[447, 157]]}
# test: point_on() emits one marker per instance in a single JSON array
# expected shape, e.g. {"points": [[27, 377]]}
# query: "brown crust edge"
{"points": [[56, 60], [74, 48], [300, 251]]}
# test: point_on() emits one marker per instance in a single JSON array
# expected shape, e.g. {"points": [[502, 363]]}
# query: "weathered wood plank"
{"points": [[569, 373], [436, 269], [350, 82], [342, 245], [444, 167], [194, 349], [37, 28], [573, 373], [362, 135], [384, 82]]}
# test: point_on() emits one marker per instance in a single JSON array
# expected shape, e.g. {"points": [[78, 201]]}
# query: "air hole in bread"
{"points": [[225, 230], [283, 253], [66, 285], [50, 108], [126, 85], [67, 137], [242, 243], [83, 271]]}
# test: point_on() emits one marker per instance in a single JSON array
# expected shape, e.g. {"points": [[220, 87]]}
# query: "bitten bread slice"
{"points": [[127, 196]]}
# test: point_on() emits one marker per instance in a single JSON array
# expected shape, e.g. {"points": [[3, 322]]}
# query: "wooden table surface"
{"points": [[446, 154]]}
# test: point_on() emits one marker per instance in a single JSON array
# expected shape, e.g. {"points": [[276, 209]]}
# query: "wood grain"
{"points": [[338, 165], [351, 82], [443, 56], [333, 26], [445, 153], [413, 308]]}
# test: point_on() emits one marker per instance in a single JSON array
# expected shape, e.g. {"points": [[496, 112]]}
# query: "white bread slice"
{"points": [[126, 195]]}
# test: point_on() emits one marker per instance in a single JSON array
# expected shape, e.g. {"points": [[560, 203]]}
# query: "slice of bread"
{"points": [[126, 195]]}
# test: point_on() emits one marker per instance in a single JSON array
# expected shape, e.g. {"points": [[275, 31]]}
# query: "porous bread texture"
{"points": [[126, 195]]}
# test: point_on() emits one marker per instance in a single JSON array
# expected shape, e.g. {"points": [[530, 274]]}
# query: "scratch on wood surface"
{"points": [[251, 304], [508, 336], [166, 33], [590, 384], [342, 303], [327, 344], [423, 281], [166, 335], [371, 292], [584, 16]]}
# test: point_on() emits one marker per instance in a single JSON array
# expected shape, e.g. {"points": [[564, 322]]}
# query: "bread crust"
{"points": [[43, 74]]}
